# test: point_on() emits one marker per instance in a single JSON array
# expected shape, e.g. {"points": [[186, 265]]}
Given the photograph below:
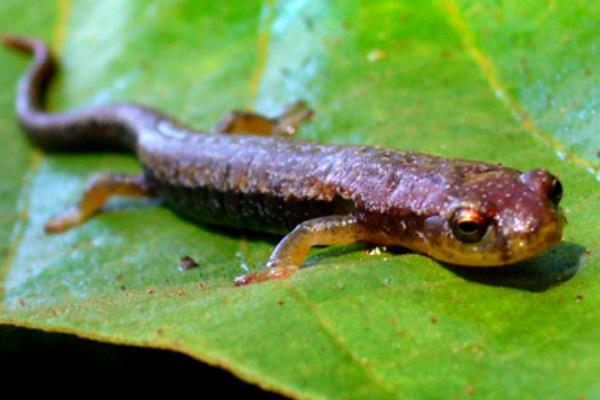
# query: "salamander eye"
{"points": [[556, 191], [468, 225], [544, 183]]}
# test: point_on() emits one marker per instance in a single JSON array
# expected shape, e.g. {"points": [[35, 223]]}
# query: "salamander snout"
{"points": [[544, 183]]}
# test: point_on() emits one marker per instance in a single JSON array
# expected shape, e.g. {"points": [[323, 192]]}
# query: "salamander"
{"points": [[249, 173]]}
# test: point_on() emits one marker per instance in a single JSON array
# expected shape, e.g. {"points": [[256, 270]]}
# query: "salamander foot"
{"points": [[99, 191], [64, 221], [293, 249], [266, 274], [284, 125]]}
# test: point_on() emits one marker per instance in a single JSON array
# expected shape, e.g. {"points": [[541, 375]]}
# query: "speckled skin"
{"points": [[273, 184]]}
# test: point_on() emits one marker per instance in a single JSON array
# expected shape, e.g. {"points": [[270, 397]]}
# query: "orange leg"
{"points": [[287, 124], [99, 190], [293, 249]]}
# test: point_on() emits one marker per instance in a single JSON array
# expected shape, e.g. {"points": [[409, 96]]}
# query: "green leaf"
{"points": [[515, 82]]}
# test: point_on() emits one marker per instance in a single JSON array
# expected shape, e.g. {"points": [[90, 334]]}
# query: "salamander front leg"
{"points": [[285, 125], [99, 191], [293, 249]]}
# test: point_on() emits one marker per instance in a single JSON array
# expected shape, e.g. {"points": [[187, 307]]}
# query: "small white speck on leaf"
{"points": [[376, 55]]}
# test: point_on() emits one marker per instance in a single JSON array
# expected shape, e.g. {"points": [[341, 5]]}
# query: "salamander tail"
{"points": [[31, 91], [96, 128]]}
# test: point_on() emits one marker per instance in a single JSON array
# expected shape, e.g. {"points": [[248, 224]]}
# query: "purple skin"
{"points": [[457, 211]]}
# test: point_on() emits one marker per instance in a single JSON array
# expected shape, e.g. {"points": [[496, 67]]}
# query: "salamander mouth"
{"points": [[528, 246]]}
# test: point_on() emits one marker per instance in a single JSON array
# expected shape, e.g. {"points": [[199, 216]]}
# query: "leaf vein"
{"points": [[336, 339], [488, 69], [18, 230], [61, 26]]}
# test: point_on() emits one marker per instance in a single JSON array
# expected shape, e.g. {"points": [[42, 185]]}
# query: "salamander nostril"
{"points": [[556, 192]]}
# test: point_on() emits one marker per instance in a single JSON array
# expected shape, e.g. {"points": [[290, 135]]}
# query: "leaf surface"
{"points": [[515, 82]]}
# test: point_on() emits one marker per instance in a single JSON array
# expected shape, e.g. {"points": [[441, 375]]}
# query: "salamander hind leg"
{"points": [[284, 125], [98, 192], [293, 249]]}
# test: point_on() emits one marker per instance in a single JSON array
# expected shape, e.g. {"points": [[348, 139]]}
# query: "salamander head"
{"points": [[498, 218]]}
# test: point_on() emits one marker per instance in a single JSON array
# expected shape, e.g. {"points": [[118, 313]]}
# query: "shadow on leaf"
{"points": [[333, 251], [555, 266]]}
